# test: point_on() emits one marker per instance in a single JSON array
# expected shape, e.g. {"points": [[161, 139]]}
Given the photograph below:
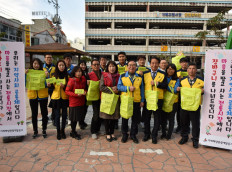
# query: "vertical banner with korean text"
{"points": [[216, 115], [12, 89]]}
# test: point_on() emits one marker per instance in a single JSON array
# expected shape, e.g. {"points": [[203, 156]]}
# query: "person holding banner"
{"points": [[59, 98], [140, 69], [38, 96], [95, 75], [76, 90], [156, 81], [190, 104], [180, 74], [68, 60], [108, 84], [49, 68], [84, 68], [132, 83], [170, 101]]}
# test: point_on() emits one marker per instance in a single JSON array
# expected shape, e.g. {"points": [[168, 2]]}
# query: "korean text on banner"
{"points": [[216, 118], [12, 89]]}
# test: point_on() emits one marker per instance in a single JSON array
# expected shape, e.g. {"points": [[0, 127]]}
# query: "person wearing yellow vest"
{"points": [[134, 83], [191, 81], [152, 78], [68, 62], [122, 68], [41, 97], [49, 68], [59, 98], [180, 74], [173, 84], [141, 59]]}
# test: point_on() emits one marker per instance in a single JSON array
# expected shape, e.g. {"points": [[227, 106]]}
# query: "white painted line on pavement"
{"points": [[158, 151], [101, 153]]}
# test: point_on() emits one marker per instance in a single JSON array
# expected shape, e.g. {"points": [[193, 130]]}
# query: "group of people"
{"points": [[124, 78]]}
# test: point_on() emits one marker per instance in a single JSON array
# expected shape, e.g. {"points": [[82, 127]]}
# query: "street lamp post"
{"points": [[56, 20]]}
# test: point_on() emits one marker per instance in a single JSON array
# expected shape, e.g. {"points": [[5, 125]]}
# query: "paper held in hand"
{"points": [[79, 91], [59, 81], [142, 69]]}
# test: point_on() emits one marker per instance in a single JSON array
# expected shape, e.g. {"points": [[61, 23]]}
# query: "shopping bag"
{"points": [[190, 98], [93, 93], [169, 99], [152, 98], [126, 106], [108, 102]]}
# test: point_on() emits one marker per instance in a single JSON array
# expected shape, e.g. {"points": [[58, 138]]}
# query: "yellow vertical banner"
{"points": [[27, 35], [164, 48], [196, 48]]}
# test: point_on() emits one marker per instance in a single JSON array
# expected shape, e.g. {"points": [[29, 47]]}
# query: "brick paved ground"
{"points": [[99, 155]]}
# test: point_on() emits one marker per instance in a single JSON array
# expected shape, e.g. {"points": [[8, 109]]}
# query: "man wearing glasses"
{"points": [[95, 75], [134, 83]]}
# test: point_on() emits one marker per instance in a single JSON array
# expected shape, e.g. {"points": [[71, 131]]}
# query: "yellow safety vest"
{"points": [[159, 78], [137, 82], [59, 93]]}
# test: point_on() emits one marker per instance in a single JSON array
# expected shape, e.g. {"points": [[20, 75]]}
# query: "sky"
{"points": [[72, 13]]}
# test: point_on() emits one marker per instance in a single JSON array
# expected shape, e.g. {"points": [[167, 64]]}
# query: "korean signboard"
{"points": [[216, 115], [12, 89]]}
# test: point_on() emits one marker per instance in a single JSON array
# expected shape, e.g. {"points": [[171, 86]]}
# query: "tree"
{"points": [[215, 24], [85, 58]]}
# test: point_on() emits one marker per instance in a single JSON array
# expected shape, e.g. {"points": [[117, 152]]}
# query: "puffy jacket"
{"points": [[76, 83], [108, 80]]}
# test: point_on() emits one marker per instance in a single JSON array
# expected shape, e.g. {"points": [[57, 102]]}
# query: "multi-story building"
{"points": [[151, 27], [10, 30]]}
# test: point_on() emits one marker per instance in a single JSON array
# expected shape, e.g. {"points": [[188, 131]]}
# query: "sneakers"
{"points": [[94, 136]]}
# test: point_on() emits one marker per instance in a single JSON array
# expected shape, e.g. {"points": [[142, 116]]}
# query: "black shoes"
{"points": [[183, 141], [63, 136], [195, 144], [75, 135], [134, 138], [109, 139], [146, 137], [163, 136], [168, 137], [58, 135], [154, 140], [113, 138], [35, 134], [44, 134], [124, 138]]}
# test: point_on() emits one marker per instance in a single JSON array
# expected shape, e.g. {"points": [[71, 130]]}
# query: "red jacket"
{"points": [[93, 76], [108, 81], [74, 99]]}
